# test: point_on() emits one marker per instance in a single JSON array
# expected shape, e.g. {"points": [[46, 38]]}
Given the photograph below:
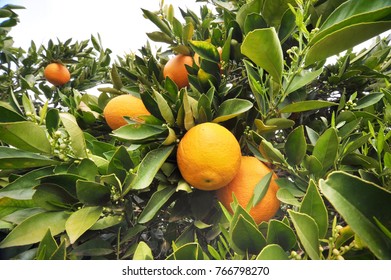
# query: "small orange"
{"points": [[57, 74], [208, 156], [251, 171], [175, 69], [121, 106]]}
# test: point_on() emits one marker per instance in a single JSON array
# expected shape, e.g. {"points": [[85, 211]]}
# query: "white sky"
{"points": [[120, 23]]}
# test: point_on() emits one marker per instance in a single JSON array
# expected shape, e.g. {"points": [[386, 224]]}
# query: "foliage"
{"points": [[70, 188]]}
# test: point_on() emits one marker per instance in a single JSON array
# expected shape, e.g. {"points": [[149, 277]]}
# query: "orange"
{"points": [[208, 156], [57, 74], [121, 106], [251, 171], [175, 69]]}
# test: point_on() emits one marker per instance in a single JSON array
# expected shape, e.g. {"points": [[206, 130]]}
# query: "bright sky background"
{"points": [[120, 23]]}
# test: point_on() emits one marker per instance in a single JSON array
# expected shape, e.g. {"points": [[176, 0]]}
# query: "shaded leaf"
{"points": [[358, 202], [272, 252], [16, 159]]}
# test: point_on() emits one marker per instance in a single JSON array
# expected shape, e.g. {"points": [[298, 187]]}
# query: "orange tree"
{"points": [[73, 188]]}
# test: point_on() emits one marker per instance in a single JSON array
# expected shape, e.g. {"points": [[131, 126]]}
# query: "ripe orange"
{"points": [[57, 74], [208, 156], [251, 171], [175, 69], [121, 106]]}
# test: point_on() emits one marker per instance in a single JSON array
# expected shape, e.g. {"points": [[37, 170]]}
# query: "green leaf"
{"points": [[135, 133], [281, 234], [368, 100], [148, 168], [81, 220], [26, 136], [285, 196], [270, 153], [252, 7], [313, 205], [252, 22], [47, 247], [359, 202], [16, 159], [8, 114], [273, 10], [303, 78], [308, 233], [33, 229], [52, 120], [326, 148], [246, 238], [231, 108], [189, 251], [162, 25], [60, 253], [164, 108], [263, 47], [343, 39], [272, 252], [75, 133], [158, 36], [23, 187], [143, 252], [261, 188], [92, 193], [296, 146], [93, 247], [8, 206], [157, 200], [52, 197], [307, 105], [205, 50]]}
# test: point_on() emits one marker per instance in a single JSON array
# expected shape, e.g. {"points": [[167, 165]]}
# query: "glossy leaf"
{"points": [[135, 133], [231, 108], [369, 100], [296, 146], [281, 234], [272, 252], [263, 47], [252, 7], [285, 196], [205, 50], [81, 220], [344, 38], [303, 78], [246, 238], [359, 202], [157, 200], [314, 206], [35, 140], [148, 168], [8, 114], [261, 188], [308, 233], [326, 148], [16, 159], [307, 105], [33, 229]]}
